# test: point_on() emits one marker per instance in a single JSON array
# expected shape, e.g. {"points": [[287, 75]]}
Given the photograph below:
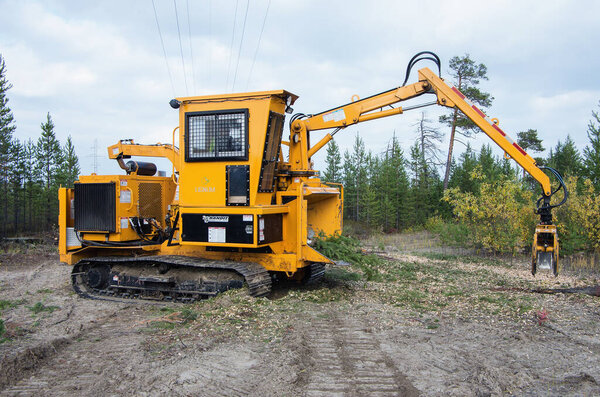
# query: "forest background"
{"points": [[475, 199]]}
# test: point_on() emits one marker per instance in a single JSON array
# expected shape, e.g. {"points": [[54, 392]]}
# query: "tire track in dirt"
{"points": [[223, 374], [344, 359], [37, 370]]}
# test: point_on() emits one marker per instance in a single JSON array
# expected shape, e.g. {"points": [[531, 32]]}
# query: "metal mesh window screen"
{"points": [[213, 136]]}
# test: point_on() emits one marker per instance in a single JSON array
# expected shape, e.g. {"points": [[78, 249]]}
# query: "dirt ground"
{"points": [[425, 324]]}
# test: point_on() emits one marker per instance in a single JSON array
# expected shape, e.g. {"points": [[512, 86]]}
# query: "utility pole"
{"points": [[95, 156]]}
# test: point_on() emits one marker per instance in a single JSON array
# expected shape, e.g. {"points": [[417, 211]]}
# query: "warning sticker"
{"points": [[124, 223], [337, 115], [123, 182], [216, 234], [125, 196]]}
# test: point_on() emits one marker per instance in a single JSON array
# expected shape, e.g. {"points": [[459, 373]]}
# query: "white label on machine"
{"points": [[123, 182], [72, 240], [115, 150], [125, 196], [124, 223], [338, 115], [247, 218], [177, 193], [216, 234]]}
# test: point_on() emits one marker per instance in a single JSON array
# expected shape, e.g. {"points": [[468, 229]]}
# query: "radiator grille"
{"points": [[150, 200], [95, 207]]}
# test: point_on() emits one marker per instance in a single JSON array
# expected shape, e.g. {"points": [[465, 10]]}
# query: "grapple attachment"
{"points": [[544, 253]]}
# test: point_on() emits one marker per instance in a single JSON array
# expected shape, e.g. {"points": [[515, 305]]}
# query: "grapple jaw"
{"points": [[544, 253]]}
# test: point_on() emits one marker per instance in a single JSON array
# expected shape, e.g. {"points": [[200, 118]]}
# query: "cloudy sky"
{"points": [[98, 67]]}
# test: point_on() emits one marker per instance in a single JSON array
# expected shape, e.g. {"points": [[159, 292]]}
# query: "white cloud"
{"points": [[99, 67]]}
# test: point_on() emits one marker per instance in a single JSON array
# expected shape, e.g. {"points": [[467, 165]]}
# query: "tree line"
{"points": [[31, 172], [394, 190]]}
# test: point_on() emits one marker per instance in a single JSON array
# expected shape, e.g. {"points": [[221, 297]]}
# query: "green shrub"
{"points": [[188, 315], [342, 248]]}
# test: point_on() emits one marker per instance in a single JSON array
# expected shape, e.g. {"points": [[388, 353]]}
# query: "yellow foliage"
{"points": [[582, 211], [501, 216]]}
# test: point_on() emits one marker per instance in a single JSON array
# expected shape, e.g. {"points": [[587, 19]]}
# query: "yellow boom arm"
{"points": [[545, 243], [364, 110], [126, 149]]}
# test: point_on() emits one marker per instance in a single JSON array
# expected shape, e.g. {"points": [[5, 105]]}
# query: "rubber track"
{"points": [[256, 276], [317, 270]]}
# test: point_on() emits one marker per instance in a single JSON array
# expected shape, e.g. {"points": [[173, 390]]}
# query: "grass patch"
{"points": [[8, 304], [405, 271], [44, 291], [39, 307], [163, 325], [417, 300], [2, 332], [490, 299], [453, 291]]}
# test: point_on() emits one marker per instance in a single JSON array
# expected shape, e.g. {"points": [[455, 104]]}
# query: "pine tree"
{"points": [[398, 185], [490, 166], [591, 153], [391, 186], [32, 188], [565, 158], [7, 128], [349, 186], [371, 197], [16, 184], [467, 75], [49, 158], [530, 142], [333, 173], [461, 172], [359, 166], [418, 187], [69, 168]]}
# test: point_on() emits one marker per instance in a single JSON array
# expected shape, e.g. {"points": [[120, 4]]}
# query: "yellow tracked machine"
{"points": [[237, 211]]}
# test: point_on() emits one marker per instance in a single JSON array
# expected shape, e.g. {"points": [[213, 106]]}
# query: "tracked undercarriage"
{"points": [[172, 278], [166, 278]]}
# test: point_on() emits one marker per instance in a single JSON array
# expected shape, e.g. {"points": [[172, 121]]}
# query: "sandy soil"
{"points": [[344, 337]]}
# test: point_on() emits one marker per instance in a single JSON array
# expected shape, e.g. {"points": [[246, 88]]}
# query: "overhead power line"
{"points": [[241, 43], [231, 45], [162, 43], [258, 44], [209, 38], [187, 5], [181, 48]]}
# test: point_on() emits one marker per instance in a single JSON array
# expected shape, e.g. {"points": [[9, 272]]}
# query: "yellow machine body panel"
{"points": [[233, 195]]}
